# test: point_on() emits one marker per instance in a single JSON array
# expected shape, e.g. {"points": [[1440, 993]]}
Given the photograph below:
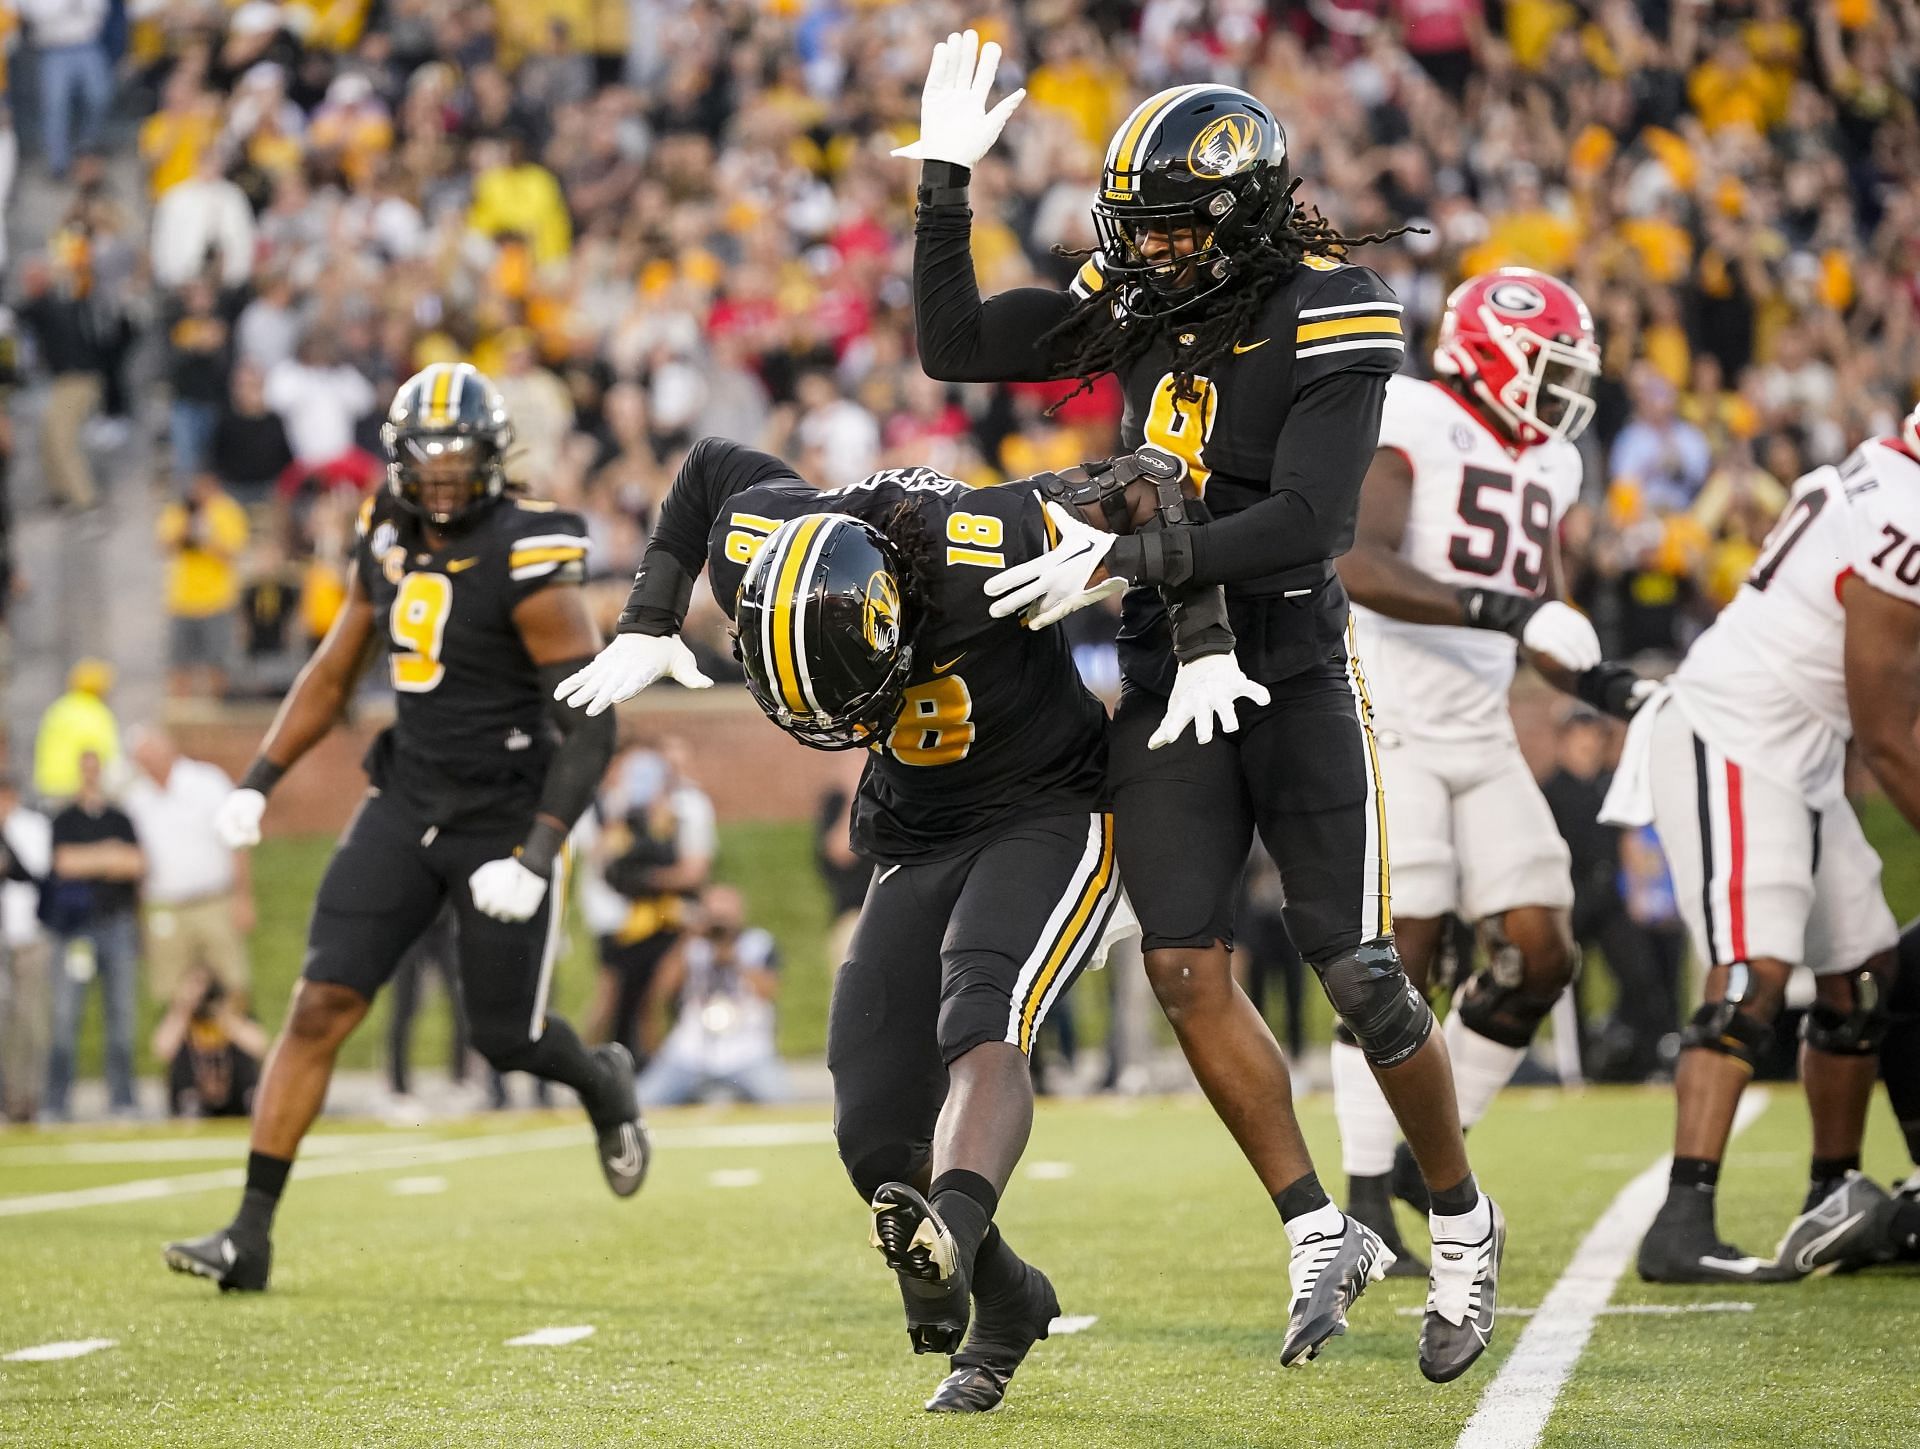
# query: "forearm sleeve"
{"points": [[961, 337], [715, 470], [573, 775], [1320, 461]]}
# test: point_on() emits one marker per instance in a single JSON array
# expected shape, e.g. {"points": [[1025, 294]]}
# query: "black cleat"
{"points": [[238, 1267], [1004, 1330], [1682, 1246], [924, 1257], [1408, 1185], [1461, 1298], [1370, 1201], [1328, 1272], [626, 1149]]}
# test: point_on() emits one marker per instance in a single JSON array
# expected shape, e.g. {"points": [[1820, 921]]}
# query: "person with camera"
{"points": [[722, 981]]}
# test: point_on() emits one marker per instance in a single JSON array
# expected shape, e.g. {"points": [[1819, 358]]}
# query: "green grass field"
{"points": [[747, 1309]]}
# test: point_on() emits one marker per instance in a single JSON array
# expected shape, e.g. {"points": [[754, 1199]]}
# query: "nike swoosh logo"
{"points": [[1803, 1260], [461, 563], [629, 1158], [1735, 1265], [1240, 347], [943, 668]]}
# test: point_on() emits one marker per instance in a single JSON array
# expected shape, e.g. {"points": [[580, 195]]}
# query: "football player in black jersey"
{"points": [[1246, 344], [860, 621], [472, 594]]}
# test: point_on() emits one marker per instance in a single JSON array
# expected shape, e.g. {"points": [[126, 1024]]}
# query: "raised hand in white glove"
{"points": [[955, 124], [237, 821], [506, 890], [625, 667], [1205, 693], [1564, 635], [1055, 584]]}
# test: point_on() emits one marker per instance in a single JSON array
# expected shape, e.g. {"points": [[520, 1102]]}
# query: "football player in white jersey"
{"points": [[1455, 561], [1739, 763]]}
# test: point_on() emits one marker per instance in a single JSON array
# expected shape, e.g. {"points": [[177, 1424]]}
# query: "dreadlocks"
{"points": [[1100, 336], [906, 529]]}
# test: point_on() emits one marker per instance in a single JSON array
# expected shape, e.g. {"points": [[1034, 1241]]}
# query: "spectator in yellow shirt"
{"points": [[79, 722], [1730, 88], [172, 138], [513, 194], [1072, 82], [204, 533]]}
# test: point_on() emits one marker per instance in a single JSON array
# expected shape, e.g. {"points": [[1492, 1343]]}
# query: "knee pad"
{"points": [[1390, 1020], [1721, 1026], [1852, 1033], [1497, 1002], [975, 1014]]}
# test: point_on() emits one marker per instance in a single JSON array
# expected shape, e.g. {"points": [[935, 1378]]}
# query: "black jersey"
{"points": [[995, 726], [471, 737], [1276, 435]]}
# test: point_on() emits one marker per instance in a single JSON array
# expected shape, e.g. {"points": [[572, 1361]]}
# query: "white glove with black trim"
{"points": [[506, 890], [1054, 585], [955, 124], [1206, 693], [1564, 635], [625, 667]]}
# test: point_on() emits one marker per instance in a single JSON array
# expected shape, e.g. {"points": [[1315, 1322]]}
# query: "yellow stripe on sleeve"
{"points": [[521, 558], [1348, 327]]}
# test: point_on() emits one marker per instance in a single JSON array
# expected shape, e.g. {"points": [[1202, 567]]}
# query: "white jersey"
{"points": [[1480, 518], [1767, 685]]}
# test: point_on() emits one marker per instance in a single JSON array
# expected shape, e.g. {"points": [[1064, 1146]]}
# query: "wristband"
{"points": [[1503, 613], [658, 601], [262, 775], [943, 184], [542, 846], [1197, 619]]}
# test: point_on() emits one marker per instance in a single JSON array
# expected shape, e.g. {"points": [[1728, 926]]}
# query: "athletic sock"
{"points": [[1306, 1211], [1693, 1177], [966, 1202], [266, 1180], [1368, 1130], [1481, 1067], [560, 1056], [1461, 1213], [997, 1269], [1825, 1175]]}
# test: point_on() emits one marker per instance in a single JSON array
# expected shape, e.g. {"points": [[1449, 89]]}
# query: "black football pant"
{"points": [[381, 892], [948, 955], [1301, 770]]}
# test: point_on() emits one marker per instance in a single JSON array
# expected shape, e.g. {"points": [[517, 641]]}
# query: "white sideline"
{"points": [[416, 1153], [1513, 1412]]}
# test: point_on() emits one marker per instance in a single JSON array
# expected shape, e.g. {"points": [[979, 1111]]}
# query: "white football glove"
{"points": [[1206, 691], [1564, 635], [627, 666], [506, 890], [1054, 585], [955, 124], [237, 821]]}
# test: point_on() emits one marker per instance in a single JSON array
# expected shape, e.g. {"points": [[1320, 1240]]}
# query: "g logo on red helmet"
{"points": [[1516, 299]]}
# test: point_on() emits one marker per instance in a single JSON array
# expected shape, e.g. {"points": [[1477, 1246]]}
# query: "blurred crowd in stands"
{"points": [[651, 220]]}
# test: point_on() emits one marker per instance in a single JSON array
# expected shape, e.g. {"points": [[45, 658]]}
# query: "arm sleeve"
{"points": [[1319, 463], [962, 338], [715, 470], [573, 774]]}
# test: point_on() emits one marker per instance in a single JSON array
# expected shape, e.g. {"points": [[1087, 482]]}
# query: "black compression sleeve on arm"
{"points": [[1320, 461], [574, 773], [715, 469], [960, 337]]}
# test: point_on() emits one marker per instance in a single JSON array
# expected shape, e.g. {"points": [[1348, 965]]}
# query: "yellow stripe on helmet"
{"points": [[442, 385], [784, 662], [1136, 129]]}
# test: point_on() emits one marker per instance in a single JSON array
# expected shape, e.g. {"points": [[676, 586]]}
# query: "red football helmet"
{"points": [[1522, 343]]}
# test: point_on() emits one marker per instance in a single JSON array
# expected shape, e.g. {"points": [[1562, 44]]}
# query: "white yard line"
{"points": [[1616, 1310], [552, 1337], [1513, 1412], [418, 1154], [192, 1149], [52, 1352]]}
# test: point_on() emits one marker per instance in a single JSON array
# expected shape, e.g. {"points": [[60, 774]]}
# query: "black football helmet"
{"points": [[449, 410], [824, 631], [1209, 159]]}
